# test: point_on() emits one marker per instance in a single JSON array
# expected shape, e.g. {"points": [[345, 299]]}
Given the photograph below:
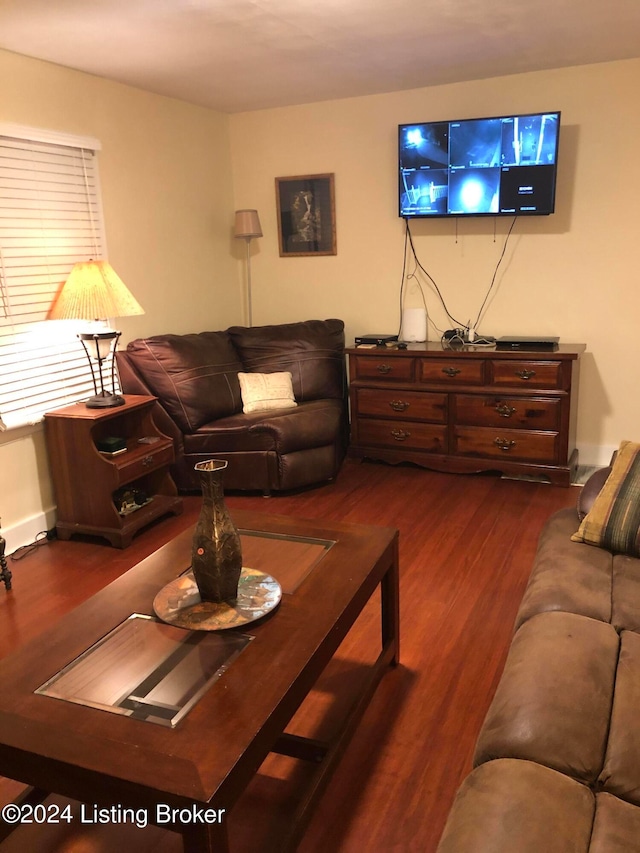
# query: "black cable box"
{"points": [[527, 343], [376, 340]]}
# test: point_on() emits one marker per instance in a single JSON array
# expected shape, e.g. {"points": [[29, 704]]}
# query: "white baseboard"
{"points": [[594, 454], [26, 531]]}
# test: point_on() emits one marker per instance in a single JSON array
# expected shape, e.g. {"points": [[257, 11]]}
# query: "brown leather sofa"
{"points": [[195, 378], [557, 762]]}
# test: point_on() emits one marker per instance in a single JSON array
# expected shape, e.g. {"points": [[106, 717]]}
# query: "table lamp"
{"points": [[94, 292]]}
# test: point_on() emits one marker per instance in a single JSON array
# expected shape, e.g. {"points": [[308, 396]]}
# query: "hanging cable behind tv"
{"points": [[462, 334]]}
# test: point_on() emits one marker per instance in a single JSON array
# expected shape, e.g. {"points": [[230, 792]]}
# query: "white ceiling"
{"points": [[235, 55]]}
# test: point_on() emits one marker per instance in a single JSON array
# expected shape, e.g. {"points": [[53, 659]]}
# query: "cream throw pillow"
{"points": [[264, 391]]}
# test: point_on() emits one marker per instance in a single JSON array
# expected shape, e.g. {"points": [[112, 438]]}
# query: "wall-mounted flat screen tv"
{"points": [[501, 166]]}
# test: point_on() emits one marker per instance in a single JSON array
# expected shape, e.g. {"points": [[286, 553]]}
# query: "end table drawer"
{"points": [[539, 413], [404, 434], [533, 374], [136, 463], [451, 371], [519, 445], [379, 367], [408, 405]]}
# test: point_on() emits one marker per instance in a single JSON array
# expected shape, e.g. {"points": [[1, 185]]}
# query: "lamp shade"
{"points": [[247, 224], [93, 291]]}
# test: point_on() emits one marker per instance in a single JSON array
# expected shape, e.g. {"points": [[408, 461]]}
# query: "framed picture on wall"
{"points": [[306, 216]]}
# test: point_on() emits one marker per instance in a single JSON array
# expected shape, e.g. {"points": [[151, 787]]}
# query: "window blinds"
{"points": [[50, 218]]}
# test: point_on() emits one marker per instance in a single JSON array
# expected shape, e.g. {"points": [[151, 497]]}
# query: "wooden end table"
{"points": [[88, 482]]}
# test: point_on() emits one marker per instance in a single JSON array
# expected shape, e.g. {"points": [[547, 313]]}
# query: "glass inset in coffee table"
{"points": [[147, 670]]}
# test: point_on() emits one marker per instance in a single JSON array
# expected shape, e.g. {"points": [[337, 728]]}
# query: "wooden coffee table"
{"points": [[328, 573]]}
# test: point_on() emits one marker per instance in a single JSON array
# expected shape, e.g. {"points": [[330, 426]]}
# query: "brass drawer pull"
{"points": [[400, 434], [399, 405], [525, 374], [504, 444], [451, 371], [383, 368], [504, 410], [147, 460]]}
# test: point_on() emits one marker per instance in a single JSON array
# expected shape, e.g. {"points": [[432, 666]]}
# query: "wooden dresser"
{"points": [[465, 410]]}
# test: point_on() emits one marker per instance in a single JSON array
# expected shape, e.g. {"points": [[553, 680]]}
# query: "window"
{"points": [[50, 218]]}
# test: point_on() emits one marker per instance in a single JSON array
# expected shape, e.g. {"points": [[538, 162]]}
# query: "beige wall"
{"points": [[573, 274], [168, 205]]}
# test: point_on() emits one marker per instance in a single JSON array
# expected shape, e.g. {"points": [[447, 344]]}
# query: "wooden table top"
{"points": [[71, 749]]}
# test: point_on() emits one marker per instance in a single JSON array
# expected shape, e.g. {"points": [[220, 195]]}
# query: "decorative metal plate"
{"points": [[179, 603]]}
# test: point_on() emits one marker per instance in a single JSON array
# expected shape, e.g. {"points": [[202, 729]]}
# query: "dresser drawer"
{"points": [[512, 444], [379, 367], [452, 371], [139, 461], [408, 405], [540, 413], [533, 374], [403, 434]]}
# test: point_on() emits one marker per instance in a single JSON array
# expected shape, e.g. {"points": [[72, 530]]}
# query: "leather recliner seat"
{"points": [[195, 379]]}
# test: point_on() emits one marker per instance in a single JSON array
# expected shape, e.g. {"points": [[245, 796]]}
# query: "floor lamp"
{"points": [[247, 227]]}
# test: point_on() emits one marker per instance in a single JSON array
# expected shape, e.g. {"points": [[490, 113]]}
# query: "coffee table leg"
{"points": [[390, 603], [206, 839]]}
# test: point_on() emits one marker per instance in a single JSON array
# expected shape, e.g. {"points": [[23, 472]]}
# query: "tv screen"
{"points": [[501, 166]]}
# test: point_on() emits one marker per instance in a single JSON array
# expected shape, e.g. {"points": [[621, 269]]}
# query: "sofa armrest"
{"points": [[132, 383], [590, 491]]}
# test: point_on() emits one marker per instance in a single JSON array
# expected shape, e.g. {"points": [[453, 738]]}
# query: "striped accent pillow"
{"points": [[613, 522]]}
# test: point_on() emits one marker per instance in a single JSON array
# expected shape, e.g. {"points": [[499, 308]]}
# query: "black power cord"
{"points": [[429, 276], [460, 335], [495, 272], [42, 538]]}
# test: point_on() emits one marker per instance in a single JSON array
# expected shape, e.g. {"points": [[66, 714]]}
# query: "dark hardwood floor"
{"points": [[466, 548]]}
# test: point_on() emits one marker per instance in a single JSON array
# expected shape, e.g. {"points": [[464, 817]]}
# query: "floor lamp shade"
{"points": [[247, 224]]}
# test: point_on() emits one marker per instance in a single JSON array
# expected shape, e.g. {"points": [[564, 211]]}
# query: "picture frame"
{"points": [[306, 215]]}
